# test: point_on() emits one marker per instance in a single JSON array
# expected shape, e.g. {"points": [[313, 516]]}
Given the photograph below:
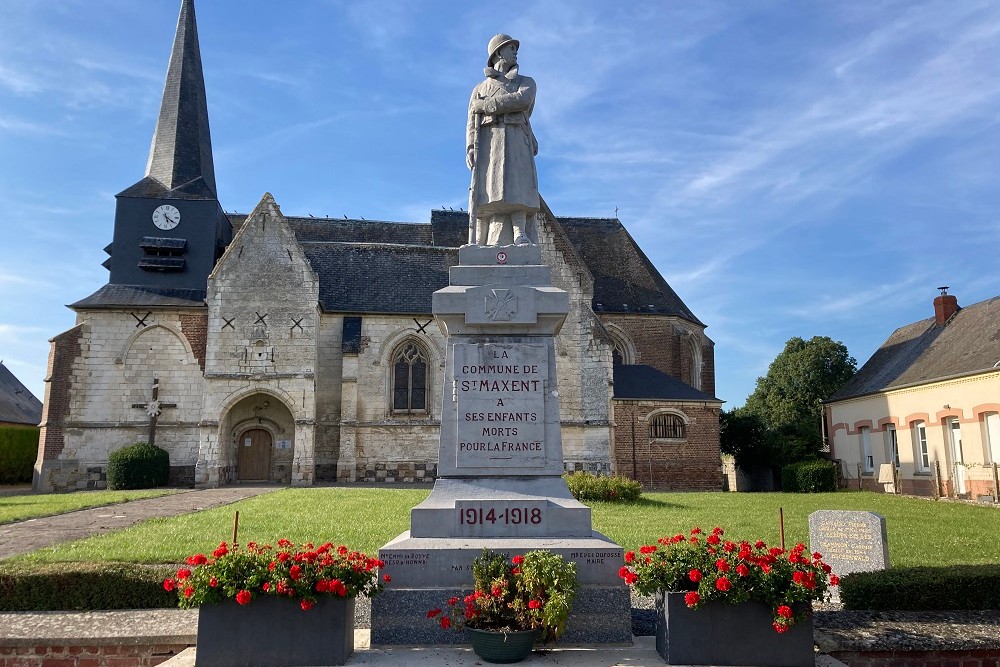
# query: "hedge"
{"points": [[18, 450], [816, 476], [923, 588], [138, 466], [84, 586], [614, 488]]}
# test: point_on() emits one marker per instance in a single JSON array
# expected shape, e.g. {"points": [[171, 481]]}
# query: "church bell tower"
{"points": [[169, 227]]}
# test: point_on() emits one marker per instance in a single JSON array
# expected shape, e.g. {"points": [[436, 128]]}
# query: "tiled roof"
{"points": [[922, 352], [113, 296], [17, 404], [638, 382]]}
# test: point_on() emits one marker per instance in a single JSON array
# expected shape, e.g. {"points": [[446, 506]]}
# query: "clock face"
{"points": [[166, 217]]}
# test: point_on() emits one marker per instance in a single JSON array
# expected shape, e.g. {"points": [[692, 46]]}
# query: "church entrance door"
{"points": [[254, 461]]}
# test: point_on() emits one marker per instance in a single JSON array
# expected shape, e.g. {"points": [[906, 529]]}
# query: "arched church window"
{"points": [[696, 363], [621, 351], [667, 426], [409, 379]]}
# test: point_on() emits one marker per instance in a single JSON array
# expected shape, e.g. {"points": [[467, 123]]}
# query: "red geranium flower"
{"points": [[169, 584], [306, 605], [723, 584], [386, 578], [785, 611], [188, 592], [534, 604], [834, 580], [629, 556], [433, 612], [295, 572], [779, 628], [243, 597], [692, 598], [742, 570], [694, 575], [445, 622], [183, 573], [517, 560]]}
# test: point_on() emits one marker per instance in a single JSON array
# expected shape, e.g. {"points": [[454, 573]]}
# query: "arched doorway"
{"points": [[253, 460]]}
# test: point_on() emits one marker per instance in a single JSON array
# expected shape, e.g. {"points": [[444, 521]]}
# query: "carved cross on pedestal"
{"points": [[153, 408]]}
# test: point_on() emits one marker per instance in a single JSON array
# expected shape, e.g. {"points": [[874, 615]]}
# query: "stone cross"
{"points": [[153, 408]]}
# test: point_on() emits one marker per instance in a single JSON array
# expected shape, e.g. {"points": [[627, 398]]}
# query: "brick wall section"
{"points": [[976, 658], [59, 384], [47, 655], [690, 465], [195, 329]]}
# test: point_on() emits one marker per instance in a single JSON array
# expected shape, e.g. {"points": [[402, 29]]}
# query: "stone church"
{"points": [[264, 347]]}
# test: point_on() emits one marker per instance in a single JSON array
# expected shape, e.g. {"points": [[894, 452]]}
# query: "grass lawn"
{"points": [[32, 506], [921, 532]]}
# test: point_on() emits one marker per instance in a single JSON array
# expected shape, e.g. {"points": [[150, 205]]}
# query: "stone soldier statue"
{"points": [[500, 151]]}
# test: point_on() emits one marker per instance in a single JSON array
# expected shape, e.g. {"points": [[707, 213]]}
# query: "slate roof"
{"points": [[394, 267], [638, 382], [180, 157], [116, 296], [379, 277], [625, 281], [922, 352], [17, 404]]}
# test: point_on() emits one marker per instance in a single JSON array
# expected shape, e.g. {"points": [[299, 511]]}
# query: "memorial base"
{"points": [[426, 572]]}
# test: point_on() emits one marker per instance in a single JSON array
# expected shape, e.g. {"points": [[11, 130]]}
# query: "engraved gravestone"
{"points": [[849, 541]]}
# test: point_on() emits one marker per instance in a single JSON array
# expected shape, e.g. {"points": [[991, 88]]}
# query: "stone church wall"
{"points": [[119, 354]]}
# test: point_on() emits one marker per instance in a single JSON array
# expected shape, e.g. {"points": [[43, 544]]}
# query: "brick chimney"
{"points": [[945, 306]]}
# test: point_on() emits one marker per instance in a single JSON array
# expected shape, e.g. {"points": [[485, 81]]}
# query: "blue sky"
{"points": [[792, 168]]}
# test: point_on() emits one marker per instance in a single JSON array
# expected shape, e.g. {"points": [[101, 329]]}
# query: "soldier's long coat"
{"points": [[506, 179]]}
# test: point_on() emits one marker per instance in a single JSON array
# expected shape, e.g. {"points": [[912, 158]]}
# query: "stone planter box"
{"points": [[275, 632], [720, 634]]}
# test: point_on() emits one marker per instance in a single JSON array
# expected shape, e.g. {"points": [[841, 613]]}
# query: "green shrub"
{"points": [[816, 476], [138, 466], [84, 586], [18, 450], [613, 488], [923, 588]]}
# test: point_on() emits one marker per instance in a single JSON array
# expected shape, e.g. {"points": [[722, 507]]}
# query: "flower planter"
{"points": [[275, 632], [502, 647], [721, 634]]}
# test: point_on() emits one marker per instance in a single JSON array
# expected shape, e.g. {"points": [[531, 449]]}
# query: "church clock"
{"points": [[166, 216]]}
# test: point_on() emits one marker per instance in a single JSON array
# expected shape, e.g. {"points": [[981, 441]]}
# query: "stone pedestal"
{"points": [[500, 458]]}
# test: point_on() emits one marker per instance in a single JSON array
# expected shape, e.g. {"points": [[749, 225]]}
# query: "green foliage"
{"points": [[138, 466], [533, 591], [814, 476], [18, 450], [923, 588], [83, 586], [611, 488], [789, 398], [743, 436]]}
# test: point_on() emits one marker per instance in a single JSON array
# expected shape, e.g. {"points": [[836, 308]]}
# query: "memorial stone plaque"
{"points": [[849, 541], [499, 390]]}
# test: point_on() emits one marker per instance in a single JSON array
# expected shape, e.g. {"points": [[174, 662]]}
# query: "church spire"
{"points": [[181, 153]]}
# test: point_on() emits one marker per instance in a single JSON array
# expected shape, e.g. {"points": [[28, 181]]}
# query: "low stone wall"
{"points": [[78, 654]]}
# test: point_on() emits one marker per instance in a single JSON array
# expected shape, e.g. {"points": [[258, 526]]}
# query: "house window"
{"points": [[667, 427], [409, 379], [921, 453], [867, 460], [991, 437], [891, 444]]}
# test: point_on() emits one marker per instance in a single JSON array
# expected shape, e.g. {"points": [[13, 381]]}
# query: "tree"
{"points": [[743, 436], [789, 399]]}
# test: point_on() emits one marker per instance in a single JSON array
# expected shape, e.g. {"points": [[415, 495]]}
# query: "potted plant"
{"points": [[514, 603], [706, 586], [285, 606]]}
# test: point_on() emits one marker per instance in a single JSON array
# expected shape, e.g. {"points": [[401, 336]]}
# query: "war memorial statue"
{"points": [[500, 454], [500, 151]]}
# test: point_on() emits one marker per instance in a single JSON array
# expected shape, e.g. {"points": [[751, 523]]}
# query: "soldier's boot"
{"points": [[518, 221], [482, 231]]}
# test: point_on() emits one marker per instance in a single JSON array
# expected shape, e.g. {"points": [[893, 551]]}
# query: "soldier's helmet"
{"points": [[497, 42]]}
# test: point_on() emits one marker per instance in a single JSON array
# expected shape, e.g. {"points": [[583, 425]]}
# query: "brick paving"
{"points": [[24, 536]]}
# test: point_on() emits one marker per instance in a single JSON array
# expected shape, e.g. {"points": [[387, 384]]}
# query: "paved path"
{"points": [[25, 536]]}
